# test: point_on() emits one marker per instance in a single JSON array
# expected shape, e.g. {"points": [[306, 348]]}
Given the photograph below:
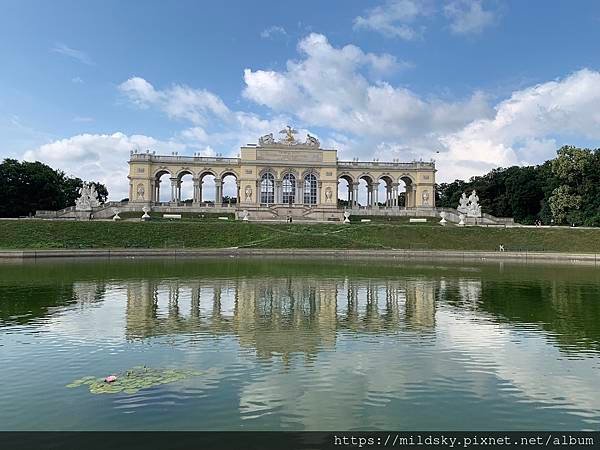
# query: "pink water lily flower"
{"points": [[110, 378]]}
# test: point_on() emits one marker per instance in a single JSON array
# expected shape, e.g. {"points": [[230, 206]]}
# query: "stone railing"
{"points": [[391, 165], [183, 159]]}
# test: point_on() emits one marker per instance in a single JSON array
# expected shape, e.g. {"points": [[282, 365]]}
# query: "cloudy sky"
{"points": [[474, 84]]}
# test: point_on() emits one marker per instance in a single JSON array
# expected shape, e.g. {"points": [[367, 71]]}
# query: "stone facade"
{"points": [[283, 178]]}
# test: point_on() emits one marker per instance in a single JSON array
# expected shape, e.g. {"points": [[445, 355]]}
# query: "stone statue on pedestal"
{"points": [[463, 202], [469, 206], [267, 139], [474, 208], [88, 198]]}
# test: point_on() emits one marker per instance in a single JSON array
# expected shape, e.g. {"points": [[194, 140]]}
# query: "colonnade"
{"points": [[373, 200], [176, 183]]}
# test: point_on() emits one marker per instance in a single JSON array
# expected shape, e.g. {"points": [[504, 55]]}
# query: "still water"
{"points": [[301, 345]]}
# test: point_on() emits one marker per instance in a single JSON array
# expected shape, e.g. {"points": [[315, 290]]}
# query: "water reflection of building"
{"points": [[420, 303], [86, 292], [278, 316]]}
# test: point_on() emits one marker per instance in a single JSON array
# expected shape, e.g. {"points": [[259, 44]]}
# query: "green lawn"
{"points": [[34, 234]]}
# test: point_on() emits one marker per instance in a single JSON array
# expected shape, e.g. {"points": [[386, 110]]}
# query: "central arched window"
{"points": [[289, 189], [310, 189], [267, 188]]}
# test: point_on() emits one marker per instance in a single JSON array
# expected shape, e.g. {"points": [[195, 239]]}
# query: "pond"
{"points": [[256, 344]]}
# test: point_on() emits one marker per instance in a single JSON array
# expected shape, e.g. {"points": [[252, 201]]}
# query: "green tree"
{"points": [[29, 186], [564, 205]]}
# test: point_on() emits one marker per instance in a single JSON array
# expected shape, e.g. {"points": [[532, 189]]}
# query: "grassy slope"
{"points": [[55, 234]]}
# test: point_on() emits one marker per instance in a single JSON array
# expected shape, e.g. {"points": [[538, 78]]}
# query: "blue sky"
{"points": [[474, 84]]}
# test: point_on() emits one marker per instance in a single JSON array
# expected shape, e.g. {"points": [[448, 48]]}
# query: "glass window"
{"points": [[310, 189], [289, 189], [267, 188]]}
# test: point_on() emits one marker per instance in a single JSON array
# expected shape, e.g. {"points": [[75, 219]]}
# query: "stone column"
{"points": [[300, 191], [173, 190], [355, 194], [278, 195], [195, 197], [375, 190], [395, 194], [410, 196], [319, 189], [218, 192]]}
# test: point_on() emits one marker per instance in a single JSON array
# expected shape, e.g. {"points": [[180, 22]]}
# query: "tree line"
{"points": [[29, 186], [563, 190]]}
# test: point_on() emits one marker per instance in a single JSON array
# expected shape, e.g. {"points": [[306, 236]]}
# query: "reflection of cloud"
{"points": [[532, 365], [82, 323]]}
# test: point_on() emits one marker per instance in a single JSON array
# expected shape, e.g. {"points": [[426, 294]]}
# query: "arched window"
{"points": [[267, 188], [310, 189], [289, 189]]}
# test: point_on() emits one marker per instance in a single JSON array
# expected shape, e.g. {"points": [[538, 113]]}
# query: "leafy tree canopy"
{"points": [[29, 186], [564, 190]]}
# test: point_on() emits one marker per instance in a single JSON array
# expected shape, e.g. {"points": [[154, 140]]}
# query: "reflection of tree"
{"points": [[27, 303], [568, 311]]}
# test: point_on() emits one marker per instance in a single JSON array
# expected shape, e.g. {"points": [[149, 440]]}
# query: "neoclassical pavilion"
{"points": [[283, 178]]}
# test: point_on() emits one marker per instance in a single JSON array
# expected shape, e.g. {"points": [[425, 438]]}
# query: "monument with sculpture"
{"points": [[286, 179]]}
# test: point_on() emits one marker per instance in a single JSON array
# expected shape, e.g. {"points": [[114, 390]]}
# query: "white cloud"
{"points": [[523, 128], [213, 123], [272, 31], [395, 18], [72, 53], [77, 80], [403, 18], [178, 101], [329, 88], [98, 157], [468, 16]]}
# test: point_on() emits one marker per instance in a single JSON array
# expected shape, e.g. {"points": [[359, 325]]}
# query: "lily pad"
{"points": [[134, 380]]}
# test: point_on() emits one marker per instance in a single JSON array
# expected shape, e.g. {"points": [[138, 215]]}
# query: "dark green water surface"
{"points": [[301, 345]]}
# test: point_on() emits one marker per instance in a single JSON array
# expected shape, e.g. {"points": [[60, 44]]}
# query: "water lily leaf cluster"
{"points": [[133, 380]]}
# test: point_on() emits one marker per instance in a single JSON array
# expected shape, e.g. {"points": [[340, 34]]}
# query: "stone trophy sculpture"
{"points": [[469, 206], [88, 198]]}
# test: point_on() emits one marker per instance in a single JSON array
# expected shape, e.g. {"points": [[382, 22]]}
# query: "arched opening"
{"points": [[207, 188], [267, 188], [288, 187], [185, 187], [230, 189], [365, 194], [385, 192], [162, 187], [310, 189], [345, 191], [406, 193]]}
